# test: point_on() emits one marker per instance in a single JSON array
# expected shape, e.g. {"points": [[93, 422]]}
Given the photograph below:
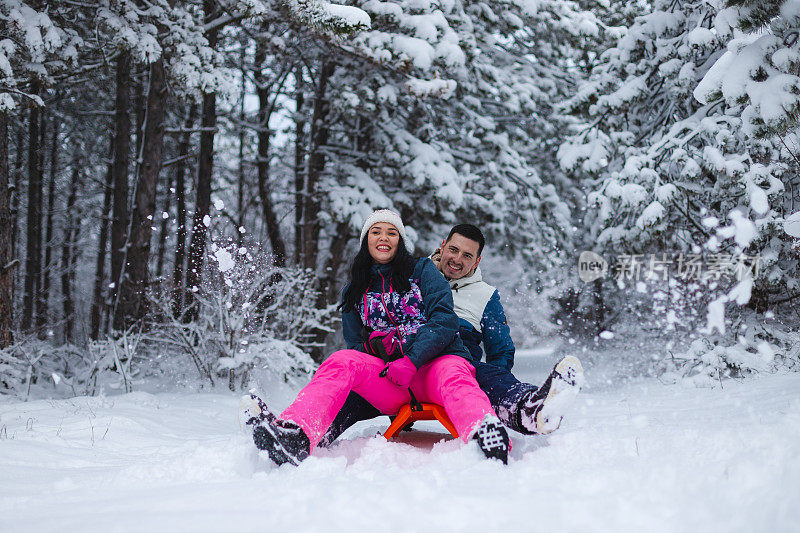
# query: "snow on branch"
{"points": [[328, 17], [431, 88], [29, 41]]}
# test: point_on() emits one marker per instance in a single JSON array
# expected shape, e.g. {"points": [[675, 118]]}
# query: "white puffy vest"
{"points": [[470, 296]]}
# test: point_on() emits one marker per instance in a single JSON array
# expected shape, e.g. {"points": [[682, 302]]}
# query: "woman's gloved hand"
{"points": [[382, 344], [400, 371]]}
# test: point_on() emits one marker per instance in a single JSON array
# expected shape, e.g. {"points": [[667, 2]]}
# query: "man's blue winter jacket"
{"points": [[482, 319], [423, 317]]}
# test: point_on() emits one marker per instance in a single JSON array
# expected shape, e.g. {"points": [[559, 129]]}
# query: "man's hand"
{"points": [[400, 372]]}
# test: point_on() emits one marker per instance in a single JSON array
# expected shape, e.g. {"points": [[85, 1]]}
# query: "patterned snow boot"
{"points": [[493, 439], [542, 411]]}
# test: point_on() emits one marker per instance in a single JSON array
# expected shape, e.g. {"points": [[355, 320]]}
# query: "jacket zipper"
{"points": [[388, 314]]}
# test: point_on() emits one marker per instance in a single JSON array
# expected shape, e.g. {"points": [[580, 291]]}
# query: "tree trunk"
{"points": [[329, 291], [242, 185], [162, 235], [197, 245], [19, 179], [180, 198], [299, 166], [316, 164], [6, 266], [119, 171], [70, 235], [363, 142], [100, 264], [205, 167], [133, 295], [264, 189], [48, 244], [326, 284], [33, 256], [41, 301], [140, 101]]}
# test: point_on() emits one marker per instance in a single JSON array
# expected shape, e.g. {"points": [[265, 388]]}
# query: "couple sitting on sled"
{"points": [[414, 327]]}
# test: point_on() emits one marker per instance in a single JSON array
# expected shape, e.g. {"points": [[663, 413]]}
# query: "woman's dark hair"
{"points": [[361, 272]]}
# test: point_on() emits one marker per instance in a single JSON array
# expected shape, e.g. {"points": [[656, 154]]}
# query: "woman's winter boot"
{"points": [[493, 439], [283, 440]]}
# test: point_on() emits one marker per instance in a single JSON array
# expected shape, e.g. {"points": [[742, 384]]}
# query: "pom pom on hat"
{"points": [[389, 216]]}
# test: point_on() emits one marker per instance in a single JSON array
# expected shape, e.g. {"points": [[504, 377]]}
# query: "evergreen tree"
{"points": [[682, 158]]}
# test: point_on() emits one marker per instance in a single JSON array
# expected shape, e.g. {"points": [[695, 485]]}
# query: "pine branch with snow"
{"points": [[329, 17], [33, 49]]}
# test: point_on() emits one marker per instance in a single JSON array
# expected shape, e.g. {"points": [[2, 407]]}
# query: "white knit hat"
{"points": [[386, 215]]}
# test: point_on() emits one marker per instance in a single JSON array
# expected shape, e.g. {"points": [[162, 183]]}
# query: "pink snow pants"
{"points": [[448, 380]]}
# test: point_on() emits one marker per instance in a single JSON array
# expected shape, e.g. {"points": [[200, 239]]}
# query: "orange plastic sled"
{"points": [[430, 411]]}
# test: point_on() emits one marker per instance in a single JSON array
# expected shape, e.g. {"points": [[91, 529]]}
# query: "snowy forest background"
{"points": [[182, 183]]}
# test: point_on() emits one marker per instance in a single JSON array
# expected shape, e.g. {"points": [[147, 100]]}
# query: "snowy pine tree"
{"points": [[681, 162]]}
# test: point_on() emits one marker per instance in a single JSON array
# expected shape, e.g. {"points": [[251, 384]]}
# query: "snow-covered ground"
{"points": [[641, 457]]}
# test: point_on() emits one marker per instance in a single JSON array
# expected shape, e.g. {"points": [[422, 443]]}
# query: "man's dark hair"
{"points": [[470, 232]]}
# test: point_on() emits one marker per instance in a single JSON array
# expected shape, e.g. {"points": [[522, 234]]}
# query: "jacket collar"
{"points": [[460, 283], [378, 268]]}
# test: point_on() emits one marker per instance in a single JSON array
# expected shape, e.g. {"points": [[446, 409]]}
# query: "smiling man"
{"points": [[476, 303], [523, 407], [483, 328]]}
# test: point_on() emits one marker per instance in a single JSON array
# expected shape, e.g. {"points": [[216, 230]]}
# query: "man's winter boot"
{"points": [[252, 411], [493, 439], [542, 410], [283, 440]]}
